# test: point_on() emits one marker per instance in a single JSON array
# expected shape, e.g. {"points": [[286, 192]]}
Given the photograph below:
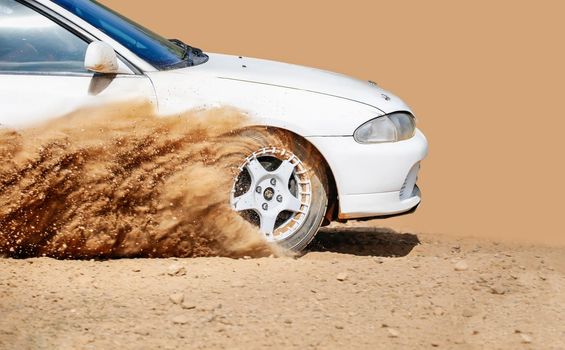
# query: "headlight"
{"points": [[392, 127]]}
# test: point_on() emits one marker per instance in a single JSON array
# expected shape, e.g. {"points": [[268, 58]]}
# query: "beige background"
{"points": [[485, 79]]}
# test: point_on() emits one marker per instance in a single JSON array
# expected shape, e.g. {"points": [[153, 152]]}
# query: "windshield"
{"points": [[151, 47]]}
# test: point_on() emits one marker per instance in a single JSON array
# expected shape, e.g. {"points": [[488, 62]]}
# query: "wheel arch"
{"points": [[332, 210]]}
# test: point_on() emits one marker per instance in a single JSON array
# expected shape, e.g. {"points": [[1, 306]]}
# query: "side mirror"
{"points": [[101, 58]]}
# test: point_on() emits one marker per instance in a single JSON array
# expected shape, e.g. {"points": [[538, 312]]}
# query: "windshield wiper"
{"points": [[192, 55]]}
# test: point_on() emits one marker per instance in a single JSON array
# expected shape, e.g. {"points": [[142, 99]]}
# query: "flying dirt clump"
{"points": [[120, 182]]}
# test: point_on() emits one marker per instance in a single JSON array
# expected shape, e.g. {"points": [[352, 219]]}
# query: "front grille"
{"points": [[408, 186]]}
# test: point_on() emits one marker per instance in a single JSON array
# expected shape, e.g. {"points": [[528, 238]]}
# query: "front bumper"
{"points": [[374, 179], [370, 205]]}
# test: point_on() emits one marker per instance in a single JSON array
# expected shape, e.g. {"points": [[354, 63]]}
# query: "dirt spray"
{"points": [[119, 182]]}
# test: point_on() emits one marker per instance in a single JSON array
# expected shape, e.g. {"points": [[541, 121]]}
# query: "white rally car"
{"points": [[356, 151]]}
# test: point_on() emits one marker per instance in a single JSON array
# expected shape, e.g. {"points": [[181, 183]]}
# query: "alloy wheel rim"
{"points": [[273, 191]]}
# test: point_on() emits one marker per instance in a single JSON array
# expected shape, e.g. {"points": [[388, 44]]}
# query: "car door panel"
{"points": [[29, 99]]}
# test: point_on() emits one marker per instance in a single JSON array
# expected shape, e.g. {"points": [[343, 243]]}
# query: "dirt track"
{"points": [[357, 288]]}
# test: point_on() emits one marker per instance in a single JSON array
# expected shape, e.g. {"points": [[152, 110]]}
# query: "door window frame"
{"points": [[74, 30]]}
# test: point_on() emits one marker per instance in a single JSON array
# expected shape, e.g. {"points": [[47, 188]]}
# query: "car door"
{"points": [[42, 72]]}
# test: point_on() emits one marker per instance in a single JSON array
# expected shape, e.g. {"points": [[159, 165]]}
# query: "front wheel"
{"points": [[281, 188]]}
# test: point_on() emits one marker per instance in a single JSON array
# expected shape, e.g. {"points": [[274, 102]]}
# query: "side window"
{"points": [[33, 43]]}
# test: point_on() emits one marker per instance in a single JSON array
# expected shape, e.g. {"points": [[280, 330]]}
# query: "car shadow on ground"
{"points": [[364, 241]]}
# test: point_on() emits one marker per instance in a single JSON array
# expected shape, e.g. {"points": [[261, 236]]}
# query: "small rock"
{"points": [[180, 319], [461, 266], [320, 297], [237, 283], [338, 326], [526, 339], [176, 298], [176, 270], [136, 269], [141, 331], [288, 321], [341, 276], [467, 313], [210, 307], [188, 306], [393, 333], [498, 289]]}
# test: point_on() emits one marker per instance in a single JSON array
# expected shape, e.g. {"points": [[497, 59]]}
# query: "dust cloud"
{"points": [[120, 182]]}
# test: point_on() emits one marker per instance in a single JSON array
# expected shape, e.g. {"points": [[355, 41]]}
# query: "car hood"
{"points": [[284, 75]]}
